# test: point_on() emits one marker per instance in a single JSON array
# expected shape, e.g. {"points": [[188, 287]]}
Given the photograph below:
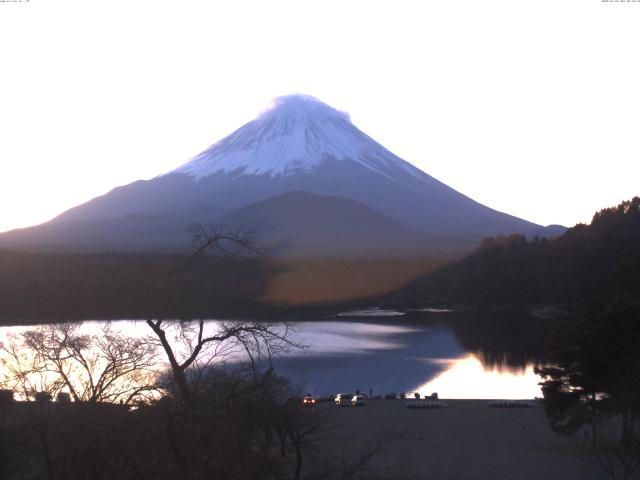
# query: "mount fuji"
{"points": [[303, 177]]}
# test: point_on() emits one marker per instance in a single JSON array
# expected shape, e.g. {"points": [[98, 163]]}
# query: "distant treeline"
{"points": [[50, 287], [600, 261], [103, 286]]}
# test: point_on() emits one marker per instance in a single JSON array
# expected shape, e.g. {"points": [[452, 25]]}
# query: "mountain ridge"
{"points": [[299, 145]]}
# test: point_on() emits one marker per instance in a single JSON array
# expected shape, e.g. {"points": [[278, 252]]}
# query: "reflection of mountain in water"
{"points": [[395, 355]]}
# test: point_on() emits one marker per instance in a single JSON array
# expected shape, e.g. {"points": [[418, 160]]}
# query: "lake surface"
{"points": [[457, 355]]}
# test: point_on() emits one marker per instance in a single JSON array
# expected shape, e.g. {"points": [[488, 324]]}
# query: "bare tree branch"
{"points": [[95, 368], [192, 348]]}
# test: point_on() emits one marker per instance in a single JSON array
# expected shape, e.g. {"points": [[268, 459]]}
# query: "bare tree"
{"points": [[107, 367], [617, 460], [304, 427], [189, 349], [21, 372], [209, 239]]}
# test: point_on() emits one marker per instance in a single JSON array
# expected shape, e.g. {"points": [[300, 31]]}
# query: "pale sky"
{"points": [[530, 107]]}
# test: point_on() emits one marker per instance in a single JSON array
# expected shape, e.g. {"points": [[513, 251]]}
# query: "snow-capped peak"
{"points": [[300, 107], [296, 134]]}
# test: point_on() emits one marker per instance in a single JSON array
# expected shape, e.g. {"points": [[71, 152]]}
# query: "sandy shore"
{"points": [[467, 440]]}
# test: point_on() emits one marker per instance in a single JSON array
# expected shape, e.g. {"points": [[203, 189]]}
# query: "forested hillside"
{"points": [[587, 263]]}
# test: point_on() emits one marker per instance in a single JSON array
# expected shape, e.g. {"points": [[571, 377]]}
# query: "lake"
{"points": [[459, 355]]}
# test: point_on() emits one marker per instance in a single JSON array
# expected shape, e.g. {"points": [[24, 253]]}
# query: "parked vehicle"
{"points": [[358, 400], [343, 399]]}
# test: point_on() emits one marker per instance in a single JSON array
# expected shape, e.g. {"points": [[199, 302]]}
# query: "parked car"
{"points": [[308, 401], [343, 399], [358, 400]]}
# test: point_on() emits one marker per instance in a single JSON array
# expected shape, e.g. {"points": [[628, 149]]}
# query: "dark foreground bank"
{"points": [[467, 440], [383, 440]]}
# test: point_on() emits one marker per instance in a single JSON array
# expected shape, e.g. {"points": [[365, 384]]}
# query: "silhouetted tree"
{"points": [[105, 367], [593, 379], [194, 349], [190, 350]]}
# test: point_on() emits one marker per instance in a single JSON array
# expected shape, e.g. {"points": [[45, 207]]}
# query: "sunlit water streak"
{"points": [[466, 377]]}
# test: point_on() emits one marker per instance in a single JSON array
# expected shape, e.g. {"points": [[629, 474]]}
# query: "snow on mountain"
{"points": [[296, 135], [299, 145]]}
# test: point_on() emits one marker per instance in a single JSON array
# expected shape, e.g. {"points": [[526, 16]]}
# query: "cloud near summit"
{"points": [[306, 103]]}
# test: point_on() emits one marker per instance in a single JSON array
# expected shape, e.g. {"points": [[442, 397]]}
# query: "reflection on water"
{"points": [[458, 356], [467, 377], [389, 356], [453, 356], [371, 312], [351, 337]]}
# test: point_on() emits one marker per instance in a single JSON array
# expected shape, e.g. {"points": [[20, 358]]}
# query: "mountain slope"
{"points": [[301, 223], [300, 144], [126, 233]]}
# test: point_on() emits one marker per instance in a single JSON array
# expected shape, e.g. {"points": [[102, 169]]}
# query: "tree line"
{"points": [[596, 261]]}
